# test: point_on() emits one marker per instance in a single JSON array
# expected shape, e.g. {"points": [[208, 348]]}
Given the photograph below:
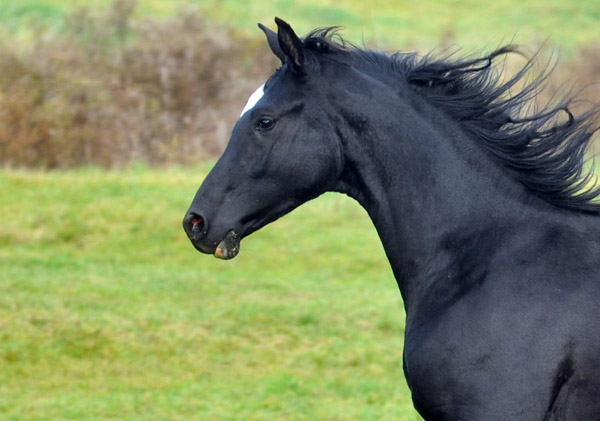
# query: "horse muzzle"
{"points": [[196, 227]]}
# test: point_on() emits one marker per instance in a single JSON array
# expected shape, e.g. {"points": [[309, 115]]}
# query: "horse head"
{"points": [[282, 152]]}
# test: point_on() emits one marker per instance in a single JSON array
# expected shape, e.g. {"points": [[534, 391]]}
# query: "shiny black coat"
{"points": [[484, 215]]}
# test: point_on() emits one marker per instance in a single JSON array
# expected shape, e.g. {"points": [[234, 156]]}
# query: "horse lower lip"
{"points": [[229, 247]]}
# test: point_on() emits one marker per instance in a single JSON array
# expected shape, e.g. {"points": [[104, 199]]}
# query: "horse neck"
{"points": [[424, 184]]}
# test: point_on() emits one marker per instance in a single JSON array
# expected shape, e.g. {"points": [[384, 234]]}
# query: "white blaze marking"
{"points": [[254, 98]]}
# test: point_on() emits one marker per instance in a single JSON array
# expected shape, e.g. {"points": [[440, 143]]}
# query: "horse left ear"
{"points": [[291, 46], [273, 42]]}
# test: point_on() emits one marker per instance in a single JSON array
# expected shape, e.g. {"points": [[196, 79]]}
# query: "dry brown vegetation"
{"points": [[110, 90]]}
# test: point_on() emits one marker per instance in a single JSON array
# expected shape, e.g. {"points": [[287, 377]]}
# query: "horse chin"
{"points": [[229, 247]]}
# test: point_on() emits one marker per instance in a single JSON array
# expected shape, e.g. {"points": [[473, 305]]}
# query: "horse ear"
{"points": [[291, 46], [273, 42]]}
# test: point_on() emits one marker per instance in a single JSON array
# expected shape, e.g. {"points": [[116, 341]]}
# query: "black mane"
{"points": [[541, 148]]}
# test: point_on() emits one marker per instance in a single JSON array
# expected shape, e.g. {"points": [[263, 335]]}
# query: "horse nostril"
{"points": [[194, 224], [197, 224]]}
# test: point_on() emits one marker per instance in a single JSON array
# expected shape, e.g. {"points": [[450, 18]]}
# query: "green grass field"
{"points": [[107, 311]]}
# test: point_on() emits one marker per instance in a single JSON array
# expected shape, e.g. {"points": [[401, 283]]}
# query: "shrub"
{"points": [[109, 90]]}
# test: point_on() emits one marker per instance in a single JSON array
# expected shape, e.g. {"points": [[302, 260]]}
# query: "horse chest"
{"points": [[458, 365], [502, 363], [468, 379]]}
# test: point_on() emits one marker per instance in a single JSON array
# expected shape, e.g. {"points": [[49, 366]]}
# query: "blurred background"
{"points": [[111, 114], [111, 82]]}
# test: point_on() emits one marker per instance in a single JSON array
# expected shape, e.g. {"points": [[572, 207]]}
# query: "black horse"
{"points": [[483, 204]]}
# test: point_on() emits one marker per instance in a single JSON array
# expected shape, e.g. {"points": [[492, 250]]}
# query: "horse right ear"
{"points": [[291, 46]]}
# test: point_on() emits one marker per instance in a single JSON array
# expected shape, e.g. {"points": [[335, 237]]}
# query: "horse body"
{"points": [[501, 290], [501, 287]]}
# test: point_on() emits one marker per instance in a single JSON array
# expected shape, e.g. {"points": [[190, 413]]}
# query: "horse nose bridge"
{"points": [[203, 202], [212, 189], [218, 195]]}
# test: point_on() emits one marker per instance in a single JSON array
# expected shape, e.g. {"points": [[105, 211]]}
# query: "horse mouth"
{"points": [[229, 247], [196, 227]]}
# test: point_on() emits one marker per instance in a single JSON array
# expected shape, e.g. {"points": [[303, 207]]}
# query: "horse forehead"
{"points": [[254, 98]]}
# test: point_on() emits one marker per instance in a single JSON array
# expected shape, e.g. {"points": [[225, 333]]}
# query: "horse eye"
{"points": [[265, 124]]}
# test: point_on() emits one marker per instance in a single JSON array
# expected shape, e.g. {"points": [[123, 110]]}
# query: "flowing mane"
{"points": [[543, 148]]}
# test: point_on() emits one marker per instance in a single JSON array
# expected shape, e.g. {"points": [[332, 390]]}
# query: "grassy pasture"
{"points": [[106, 310]]}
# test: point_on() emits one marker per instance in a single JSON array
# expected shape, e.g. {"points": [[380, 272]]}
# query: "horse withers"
{"points": [[485, 212]]}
